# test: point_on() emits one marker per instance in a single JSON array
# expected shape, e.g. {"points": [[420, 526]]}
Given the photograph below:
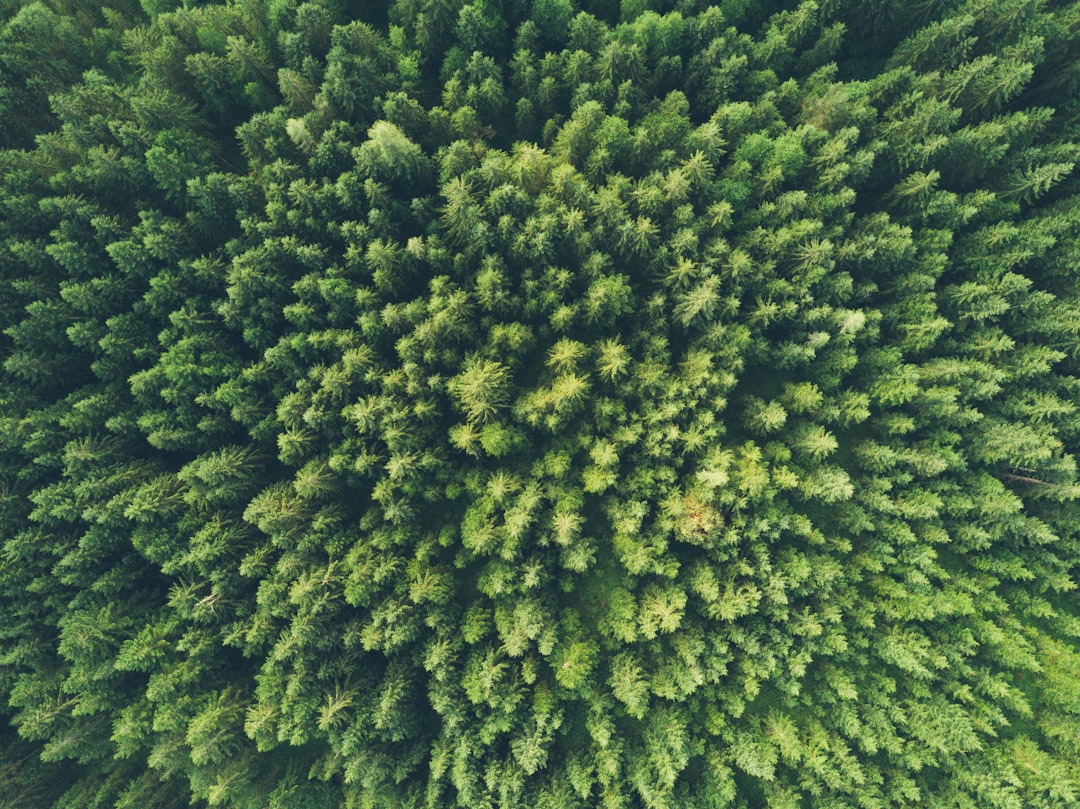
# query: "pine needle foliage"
{"points": [[464, 403]]}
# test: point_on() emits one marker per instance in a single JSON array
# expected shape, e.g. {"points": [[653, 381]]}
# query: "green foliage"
{"points": [[494, 404]]}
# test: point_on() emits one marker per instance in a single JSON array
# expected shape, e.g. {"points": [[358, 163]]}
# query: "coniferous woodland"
{"points": [[563, 404]]}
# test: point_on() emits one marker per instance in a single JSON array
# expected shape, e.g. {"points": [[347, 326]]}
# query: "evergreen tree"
{"points": [[497, 404]]}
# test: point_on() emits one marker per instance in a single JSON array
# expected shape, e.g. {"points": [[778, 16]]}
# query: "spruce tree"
{"points": [[548, 403]]}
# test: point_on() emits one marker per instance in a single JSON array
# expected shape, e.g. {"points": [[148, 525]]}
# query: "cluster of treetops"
{"points": [[562, 404]]}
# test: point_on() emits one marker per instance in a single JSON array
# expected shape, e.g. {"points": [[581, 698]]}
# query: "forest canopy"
{"points": [[655, 404]]}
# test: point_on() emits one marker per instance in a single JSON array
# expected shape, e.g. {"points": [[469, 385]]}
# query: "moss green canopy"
{"points": [[565, 404]]}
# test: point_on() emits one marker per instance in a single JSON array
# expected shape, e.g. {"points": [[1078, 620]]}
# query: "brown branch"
{"points": [[1022, 479]]}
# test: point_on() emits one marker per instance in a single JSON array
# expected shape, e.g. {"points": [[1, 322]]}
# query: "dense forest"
{"points": [[546, 404]]}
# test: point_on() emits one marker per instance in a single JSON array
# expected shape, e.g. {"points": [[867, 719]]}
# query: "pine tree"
{"points": [[498, 404]]}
